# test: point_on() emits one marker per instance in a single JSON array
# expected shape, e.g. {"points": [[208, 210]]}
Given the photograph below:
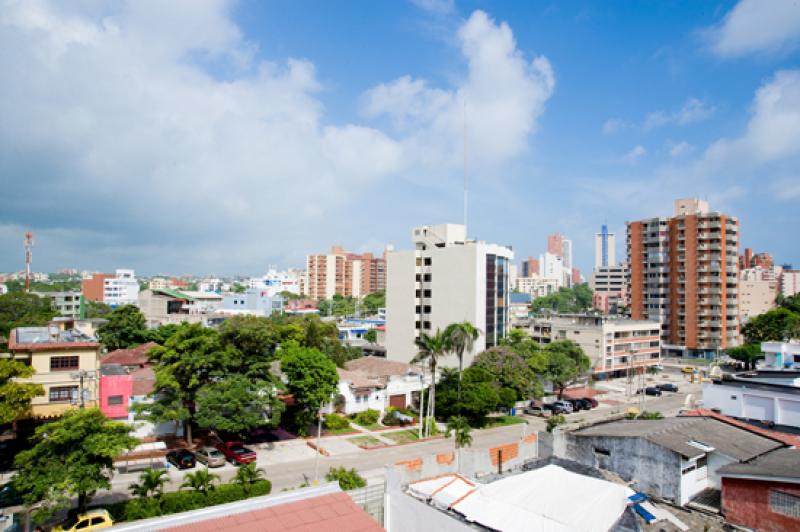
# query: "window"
{"points": [[419, 277], [64, 363], [61, 394], [604, 452], [784, 503], [114, 400], [428, 261], [426, 277], [426, 325], [427, 293], [418, 293]]}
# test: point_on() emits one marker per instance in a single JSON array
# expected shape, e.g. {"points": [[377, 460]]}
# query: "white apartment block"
{"points": [[122, 289], [613, 344], [275, 282], [605, 249], [790, 282], [554, 267], [612, 279], [758, 288], [537, 286], [446, 279]]}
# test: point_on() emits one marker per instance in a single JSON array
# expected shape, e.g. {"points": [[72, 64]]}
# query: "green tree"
{"points": [[747, 353], [566, 300], [371, 336], [566, 362], [790, 303], [15, 397], [554, 421], [236, 404], [776, 325], [238, 288], [374, 301], [337, 306], [255, 338], [247, 475], [18, 309], [510, 370], [479, 395], [126, 328], [201, 480], [312, 381], [161, 334], [348, 479], [192, 357], [459, 428], [73, 456], [97, 309], [460, 337], [289, 296], [430, 350], [151, 483]]}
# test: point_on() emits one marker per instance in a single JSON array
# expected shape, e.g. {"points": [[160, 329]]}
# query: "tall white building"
{"points": [[552, 267], [605, 245], [122, 289], [275, 282], [446, 279]]}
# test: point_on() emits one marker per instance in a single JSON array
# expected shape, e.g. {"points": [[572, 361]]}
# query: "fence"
{"points": [[370, 499]]}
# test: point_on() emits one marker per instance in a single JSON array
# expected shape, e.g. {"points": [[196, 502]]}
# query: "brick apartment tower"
{"points": [[92, 288], [530, 267], [343, 273], [684, 274]]}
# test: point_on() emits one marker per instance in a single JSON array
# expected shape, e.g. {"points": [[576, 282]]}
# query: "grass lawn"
{"points": [[403, 436], [366, 442], [502, 421], [374, 426], [334, 432]]}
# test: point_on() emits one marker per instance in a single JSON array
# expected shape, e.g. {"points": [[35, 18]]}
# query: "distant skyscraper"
{"points": [[605, 244], [555, 244], [530, 267]]}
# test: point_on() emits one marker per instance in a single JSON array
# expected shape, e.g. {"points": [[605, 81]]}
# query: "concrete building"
{"points": [[537, 286], [748, 260], [59, 358], [275, 282], [376, 383], [673, 458], [790, 282], [758, 289], [446, 279], [253, 301], [613, 344], [605, 245], [530, 267], [3, 289], [344, 273], [93, 287], [68, 304], [122, 289], [683, 274], [209, 284], [165, 306]]}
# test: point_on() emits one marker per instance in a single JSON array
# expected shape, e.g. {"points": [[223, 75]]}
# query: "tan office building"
{"points": [[344, 273]]}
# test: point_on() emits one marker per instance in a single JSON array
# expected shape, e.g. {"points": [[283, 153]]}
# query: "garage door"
{"points": [[789, 412], [756, 407], [397, 401]]}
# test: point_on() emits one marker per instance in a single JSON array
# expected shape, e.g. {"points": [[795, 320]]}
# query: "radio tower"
{"points": [[28, 256]]}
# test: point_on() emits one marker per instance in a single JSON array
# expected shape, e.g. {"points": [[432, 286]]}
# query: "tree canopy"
{"points": [[479, 395], [20, 309], [510, 370], [72, 456], [747, 353], [312, 380], [374, 301], [566, 362], [126, 328], [15, 397], [776, 325], [237, 405], [576, 299]]}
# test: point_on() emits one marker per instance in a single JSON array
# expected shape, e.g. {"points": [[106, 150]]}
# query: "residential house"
{"points": [[67, 304], [376, 383], [66, 363], [163, 306]]}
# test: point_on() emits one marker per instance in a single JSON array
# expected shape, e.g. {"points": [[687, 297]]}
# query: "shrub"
{"points": [[367, 417], [336, 422], [554, 421], [348, 479], [650, 415]]}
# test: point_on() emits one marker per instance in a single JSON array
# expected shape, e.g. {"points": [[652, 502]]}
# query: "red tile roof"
{"points": [[143, 381], [334, 512], [358, 379], [788, 439], [136, 356]]}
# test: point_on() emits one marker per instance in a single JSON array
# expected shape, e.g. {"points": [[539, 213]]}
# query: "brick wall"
{"points": [[746, 503]]}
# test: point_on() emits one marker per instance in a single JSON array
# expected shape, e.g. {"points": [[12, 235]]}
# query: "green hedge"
{"points": [[336, 422], [183, 501], [367, 417]]}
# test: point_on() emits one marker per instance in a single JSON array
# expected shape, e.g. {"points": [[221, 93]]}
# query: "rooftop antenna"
{"points": [[28, 257], [465, 166]]}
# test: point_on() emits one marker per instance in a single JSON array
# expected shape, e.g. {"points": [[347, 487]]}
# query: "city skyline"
{"points": [[224, 137]]}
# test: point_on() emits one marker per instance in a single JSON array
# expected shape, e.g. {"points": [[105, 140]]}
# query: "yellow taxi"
{"points": [[688, 369], [91, 520]]}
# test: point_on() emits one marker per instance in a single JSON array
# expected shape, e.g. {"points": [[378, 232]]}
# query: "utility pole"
{"points": [[28, 257], [319, 450], [82, 376]]}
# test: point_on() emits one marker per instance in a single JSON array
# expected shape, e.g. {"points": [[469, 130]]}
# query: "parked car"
{"points": [[667, 387], [586, 404], [9, 496], [540, 411], [181, 458], [592, 401], [236, 452], [91, 520], [562, 407], [210, 456], [687, 369], [578, 405], [650, 390]]}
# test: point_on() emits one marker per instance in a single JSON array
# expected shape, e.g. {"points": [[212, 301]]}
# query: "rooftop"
{"points": [[677, 433], [788, 439], [379, 367], [358, 379], [46, 338], [136, 356], [782, 465]]}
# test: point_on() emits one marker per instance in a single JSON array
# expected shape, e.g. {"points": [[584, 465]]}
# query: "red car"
{"points": [[236, 452]]}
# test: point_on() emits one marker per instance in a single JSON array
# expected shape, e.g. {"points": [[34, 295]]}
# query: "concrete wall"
{"points": [[765, 405], [403, 512], [656, 470]]}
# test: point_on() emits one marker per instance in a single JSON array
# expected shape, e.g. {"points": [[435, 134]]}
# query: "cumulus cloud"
{"points": [[442, 7], [679, 149], [694, 110], [502, 96], [158, 126], [612, 125], [757, 26], [786, 189], [633, 156]]}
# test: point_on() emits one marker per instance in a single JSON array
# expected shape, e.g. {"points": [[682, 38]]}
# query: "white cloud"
{"points": [[634, 155], [442, 7], [757, 26], [504, 95], [786, 189], [773, 132], [612, 125], [694, 110], [679, 149]]}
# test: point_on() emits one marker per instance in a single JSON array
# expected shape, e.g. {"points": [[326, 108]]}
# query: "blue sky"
{"points": [[223, 137]]}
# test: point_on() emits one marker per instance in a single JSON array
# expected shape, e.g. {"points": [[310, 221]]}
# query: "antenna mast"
{"points": [[465, 166], [28, 257]]}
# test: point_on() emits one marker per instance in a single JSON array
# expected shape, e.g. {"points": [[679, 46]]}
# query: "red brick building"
{"points": [[92, 287]]}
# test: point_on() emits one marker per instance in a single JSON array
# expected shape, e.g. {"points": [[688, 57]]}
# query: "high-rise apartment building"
{"points": [[344, 273], [446, 279], [122, 289], [758, 288], [605, 248], [790, 282], [92, 287], [555, 244], [530, 267], [758, 260], [684, 274]]}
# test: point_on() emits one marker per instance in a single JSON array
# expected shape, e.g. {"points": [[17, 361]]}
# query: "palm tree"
{"points": [[247, 474], [431, 348], [461, 337], [201, 480], [151, 482], [461, 431]]}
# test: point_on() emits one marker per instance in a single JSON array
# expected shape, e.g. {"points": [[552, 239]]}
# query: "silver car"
{"points": [[210, 457]]}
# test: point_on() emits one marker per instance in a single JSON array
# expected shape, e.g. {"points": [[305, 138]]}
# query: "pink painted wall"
{"points": [[115, 385]]}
